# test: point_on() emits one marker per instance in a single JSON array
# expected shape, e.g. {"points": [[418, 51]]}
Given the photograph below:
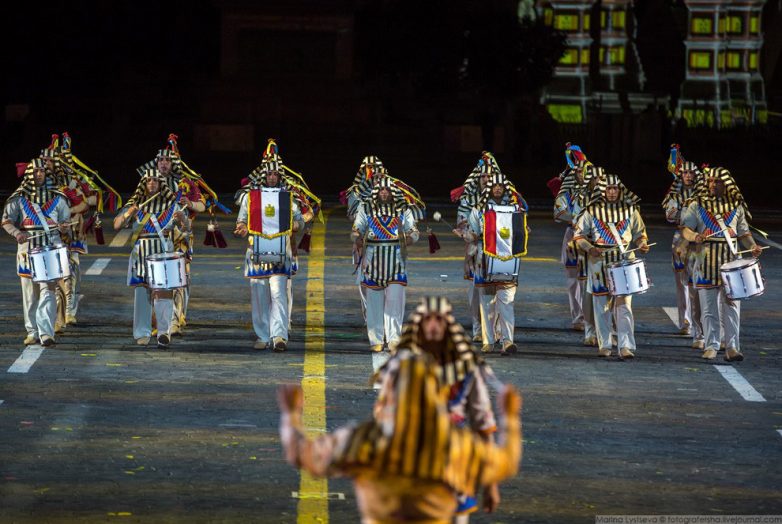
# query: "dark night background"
{"points": [[334, 81]]}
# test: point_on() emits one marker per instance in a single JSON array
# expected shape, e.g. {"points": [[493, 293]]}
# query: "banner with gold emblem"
{"points": [[504, 232], [269, 212]]}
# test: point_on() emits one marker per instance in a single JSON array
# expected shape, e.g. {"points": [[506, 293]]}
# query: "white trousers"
{"points": [[474, 304], [682, 300], [588, 310], [181, 300], [497, 307], [574, 295], [39, 306], [719, 312], [289, 288], [73, 286], [385, 312], [621, 315], [143, 302], [269, 298], [696, 326]]}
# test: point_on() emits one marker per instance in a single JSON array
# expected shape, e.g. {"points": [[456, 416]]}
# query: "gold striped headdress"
{"points": [[411, 434], [455, 358]]}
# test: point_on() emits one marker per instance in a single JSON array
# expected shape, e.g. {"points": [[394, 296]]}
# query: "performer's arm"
{"points": [[241, 218], [475, 230], [124, 216], [745, 235], [410, 227], [581, 236], [359, 227], [298, 220], [639, 232], [12, 215], [503, 458], [689, 225], [562, 210]]}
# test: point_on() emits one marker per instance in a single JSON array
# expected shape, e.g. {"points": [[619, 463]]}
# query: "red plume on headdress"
{"points": [[343, 197], [21, 167], [55, 142], [554, 185], [172, 145], [457, 193]]}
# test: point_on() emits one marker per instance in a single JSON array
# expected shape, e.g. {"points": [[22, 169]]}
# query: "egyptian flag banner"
{"points": [[504, 232], [269, 212]]}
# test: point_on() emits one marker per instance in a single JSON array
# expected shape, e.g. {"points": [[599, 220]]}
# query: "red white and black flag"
{"points": [[504, 232], [269, 212]]}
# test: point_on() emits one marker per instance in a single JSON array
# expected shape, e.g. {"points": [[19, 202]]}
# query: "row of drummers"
{"points": [[711, 273], [61, 200]]}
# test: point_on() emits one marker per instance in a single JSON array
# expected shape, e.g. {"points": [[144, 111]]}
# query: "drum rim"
{"points": [[620, 263], [44, 249], [751, 262], [154, 257]]}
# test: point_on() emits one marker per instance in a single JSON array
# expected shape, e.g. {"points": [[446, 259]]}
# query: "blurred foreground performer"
{"points": [[154, 214], [605, 229], [270, 216], [408, 462], [716, 220], [687, 177], [498, 223], [35, 215], [383, 228], [432, 329]]}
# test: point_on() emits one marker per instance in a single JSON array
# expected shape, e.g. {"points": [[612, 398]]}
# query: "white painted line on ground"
{"points": [[764, 240], [26, 360], [98, 266], [121, 238], [673, 314], [740, 384]]}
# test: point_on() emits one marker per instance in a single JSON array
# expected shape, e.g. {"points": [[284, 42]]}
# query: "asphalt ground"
{"points": [[100, 429]]}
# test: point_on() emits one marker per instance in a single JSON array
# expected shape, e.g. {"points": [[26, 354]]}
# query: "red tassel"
{"points": [[99, 234], [434, 245], [554, 184], [457, 193], [304, 245], [219, 238], [89, 224], [20, 169], [343, 197], [245, 181], [209, 238]]}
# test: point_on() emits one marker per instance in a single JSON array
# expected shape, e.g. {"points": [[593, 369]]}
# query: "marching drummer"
{"points": [[269, 214], [716, 220], [605, 229], [154, 213], [499, 219], [35, 215]]}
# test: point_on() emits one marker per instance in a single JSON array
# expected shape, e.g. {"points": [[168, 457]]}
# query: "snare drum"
{"points": [[628, 277], [49, 263], [498, 270], [166, 271], [741, 279], [268, 250]]}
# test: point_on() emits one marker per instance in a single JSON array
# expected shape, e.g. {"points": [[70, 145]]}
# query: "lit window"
{"points": [[586, 19], [734, 25], [602, 54], [548, 16], [734, 60], [618, 19], [721, 60], [753, 61], [701, 26], [585, 56], [700, 60], [570, 57], [617, 55], [566, 22], [602, 19], [565, 113], [722, 22], [754, 25]]}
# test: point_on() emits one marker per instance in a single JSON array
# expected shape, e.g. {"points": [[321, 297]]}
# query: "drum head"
{"points": [[738, 264], [165, 256]]}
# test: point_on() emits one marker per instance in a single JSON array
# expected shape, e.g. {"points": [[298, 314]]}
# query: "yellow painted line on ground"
{"points": [[240, 257], [313, 506]]}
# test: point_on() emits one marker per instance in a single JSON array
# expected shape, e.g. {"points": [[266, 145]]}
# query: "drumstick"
{"points": [[637, 248], [715, 233], [43, 234], [438, 217], [749, 250]]}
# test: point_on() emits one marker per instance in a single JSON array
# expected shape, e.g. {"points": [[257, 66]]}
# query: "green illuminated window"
{"points": [[548, 16], [734, 60], [618, 19], [585, 56], [617, 55], [570, 57], [734, 25], [721, 60], [701, 26], [754, 25], [565, 113], [700, 60], [753, 60], [566, 22], [587, 19]]}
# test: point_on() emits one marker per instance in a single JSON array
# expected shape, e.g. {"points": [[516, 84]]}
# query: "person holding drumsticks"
{"points": [[714, 221], [604, 229], [35, 215], [154, 212]]}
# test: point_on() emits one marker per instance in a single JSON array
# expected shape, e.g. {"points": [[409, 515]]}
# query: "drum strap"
{"points": [[41, 217], [617, 237], [155, 223], [726, 233]]}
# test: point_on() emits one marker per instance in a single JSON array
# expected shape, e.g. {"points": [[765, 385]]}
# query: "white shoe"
{"points": [[143, 341], [47, 341], [30, 339], [261, 345], [698, 344]]}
